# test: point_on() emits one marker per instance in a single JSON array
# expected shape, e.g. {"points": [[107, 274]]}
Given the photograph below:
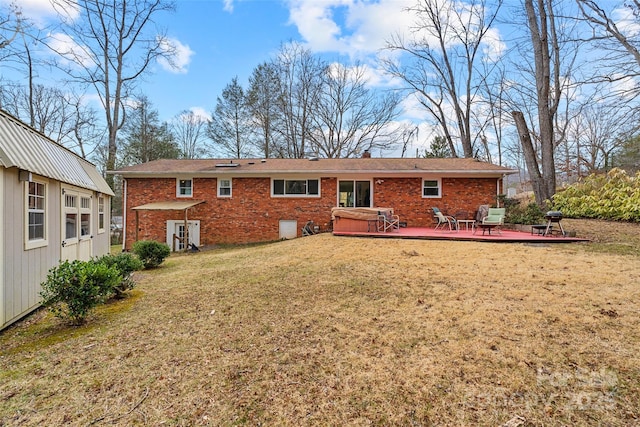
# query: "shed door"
{"points": [[76, 225]]}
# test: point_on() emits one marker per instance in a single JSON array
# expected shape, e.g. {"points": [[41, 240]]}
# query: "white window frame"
{"points": [[71, 209], [40, 242], [178, 188], [84, 210], [306, 195], [354, 182], [102, 214], [439, 187], [220, 187]]}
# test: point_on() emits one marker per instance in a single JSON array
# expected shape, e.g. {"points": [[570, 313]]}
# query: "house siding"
{"points": [[22, 270], [253, 215]]}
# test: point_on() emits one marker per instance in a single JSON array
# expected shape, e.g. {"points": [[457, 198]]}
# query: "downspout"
{"points": [[124, 213], [498, 182]]}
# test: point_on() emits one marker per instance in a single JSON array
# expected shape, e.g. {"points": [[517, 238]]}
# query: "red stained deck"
{"points": [[505, 235]]}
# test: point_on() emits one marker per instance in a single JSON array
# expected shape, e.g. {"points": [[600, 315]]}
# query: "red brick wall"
{"points": [[252, 215]]}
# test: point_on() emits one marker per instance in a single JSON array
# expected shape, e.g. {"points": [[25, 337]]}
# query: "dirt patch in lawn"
{"points": [[329, 330]]}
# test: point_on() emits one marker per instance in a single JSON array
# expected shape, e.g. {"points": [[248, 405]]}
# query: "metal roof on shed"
{"points": [[24, 148]]}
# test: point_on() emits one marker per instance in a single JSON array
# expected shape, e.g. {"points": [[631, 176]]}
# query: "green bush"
{"points": [[150, 252], [73, 289], [614, 196], [126, 264], [530, 214]]}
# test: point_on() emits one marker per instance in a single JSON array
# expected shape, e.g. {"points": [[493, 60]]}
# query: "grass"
{"points": [[348, 331]]}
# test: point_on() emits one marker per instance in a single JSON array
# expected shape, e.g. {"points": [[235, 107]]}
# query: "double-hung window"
{"points": [[184, 187], [431, 188], [224, 187], [85, 217], [296, 187], [36, 213], [101, 214]]}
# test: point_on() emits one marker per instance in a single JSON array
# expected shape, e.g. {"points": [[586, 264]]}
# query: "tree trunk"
{"points": [[531, 160]]}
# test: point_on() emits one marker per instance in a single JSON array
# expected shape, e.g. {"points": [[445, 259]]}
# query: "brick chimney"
{"points": [[366, 154]]}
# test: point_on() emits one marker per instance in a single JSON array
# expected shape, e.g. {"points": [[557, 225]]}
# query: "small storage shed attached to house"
{"points": [[54, 206]]}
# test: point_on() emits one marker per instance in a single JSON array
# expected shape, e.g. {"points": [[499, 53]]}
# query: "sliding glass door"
{"points": [[354, 194]]}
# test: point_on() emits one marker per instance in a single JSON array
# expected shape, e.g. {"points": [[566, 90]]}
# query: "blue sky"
{"points": [[219, 44], [221, 39]]}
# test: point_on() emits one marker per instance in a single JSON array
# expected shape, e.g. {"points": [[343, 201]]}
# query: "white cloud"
{"points": [[179, 56], [352, 27], [227, 6], [39, 11], [201, 113], [69, 50], [360, 28], [626, 21]]}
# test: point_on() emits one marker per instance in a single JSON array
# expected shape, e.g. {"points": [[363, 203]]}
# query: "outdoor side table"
{"points": [[466, 223]]}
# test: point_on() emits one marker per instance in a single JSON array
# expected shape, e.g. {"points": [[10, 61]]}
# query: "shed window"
{"points": [[85, 216], [431, 188], [100, 214], [36, 211], [184, 188]]}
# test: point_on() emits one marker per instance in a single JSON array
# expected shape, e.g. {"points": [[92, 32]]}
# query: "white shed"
{"points": [[54, 205]]}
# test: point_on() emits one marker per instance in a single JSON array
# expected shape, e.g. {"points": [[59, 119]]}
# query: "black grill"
{"points": [[553, 216]]}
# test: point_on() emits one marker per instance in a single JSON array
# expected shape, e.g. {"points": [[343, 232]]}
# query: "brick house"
{"points": [[253, 200]]}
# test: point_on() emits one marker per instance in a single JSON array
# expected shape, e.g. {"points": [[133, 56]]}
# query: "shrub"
{"points": [[530, 214], [126, 264], [150, 252], [614, 196], [73, 289]]}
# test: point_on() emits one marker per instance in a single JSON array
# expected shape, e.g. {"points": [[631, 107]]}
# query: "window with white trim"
{"points": [[71, 216], [224, 187], [296, 187], [431, 188], [101, 214], [85, 216], [36, 215], [354, 194], [184, 187]]}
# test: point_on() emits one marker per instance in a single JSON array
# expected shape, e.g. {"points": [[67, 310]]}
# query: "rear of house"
{"points": [[252, 200], [54, 206]]}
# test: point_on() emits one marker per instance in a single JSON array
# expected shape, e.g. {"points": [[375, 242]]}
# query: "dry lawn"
{"points": [[326, 330]]}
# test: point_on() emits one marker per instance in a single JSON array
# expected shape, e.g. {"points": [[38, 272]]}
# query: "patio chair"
{"points": [[495, 216], [388, 221], [445, 219]]}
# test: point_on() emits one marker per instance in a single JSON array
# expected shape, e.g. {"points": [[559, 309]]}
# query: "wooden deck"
{"points": [[507, 236]]}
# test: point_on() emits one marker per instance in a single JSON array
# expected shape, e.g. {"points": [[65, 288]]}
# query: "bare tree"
{"points": [[230, 126], [596, 135], [263, 99], [189, 130], [10, 26], [114, 42], [300, 83], [613, 37], [441, 69], [351, 118], [61, 115], [550, 82]]}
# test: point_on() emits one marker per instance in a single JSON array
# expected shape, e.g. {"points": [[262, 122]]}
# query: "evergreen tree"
{"points": [[145, 137]]}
